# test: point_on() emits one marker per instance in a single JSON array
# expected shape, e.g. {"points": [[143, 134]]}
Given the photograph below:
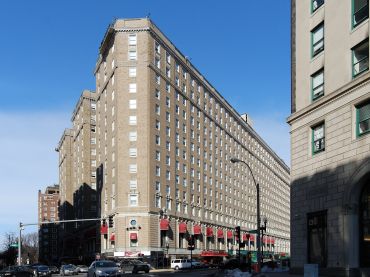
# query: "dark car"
{"points": [[230, 264], [16, 271], [134, 266], [42, 270], [104, 268]]}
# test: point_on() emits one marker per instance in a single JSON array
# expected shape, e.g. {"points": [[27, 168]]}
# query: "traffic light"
{"points": [[237, 233], [110, 221], [191, 242]]}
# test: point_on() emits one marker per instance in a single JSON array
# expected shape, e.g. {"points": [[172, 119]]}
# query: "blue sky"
{"points": [[49, 49]]}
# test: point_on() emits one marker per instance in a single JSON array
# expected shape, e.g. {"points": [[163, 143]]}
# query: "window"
{"points": [[363, 119], [132, 136], [132, 88], [133, 152], [315, 4], [360, 58], [133, 184], [157, 48], [132, 56], [360, 9], [157, 171], [133, 199], [132, 120], [132, 40], [133, 168], [317, 84], [317, 39], [132, 104], [317, 238], [132, 72], [318, 138]]}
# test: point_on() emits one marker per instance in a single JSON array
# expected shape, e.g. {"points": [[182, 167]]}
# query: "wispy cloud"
{"points": [[28, 163]]}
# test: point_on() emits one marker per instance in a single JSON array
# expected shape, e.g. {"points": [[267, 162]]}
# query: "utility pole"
{"points": [[19, 243]]}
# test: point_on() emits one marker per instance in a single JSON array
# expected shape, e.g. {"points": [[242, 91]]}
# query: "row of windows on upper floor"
{"points": [[360, 10], [360, 61], [362, 127]]}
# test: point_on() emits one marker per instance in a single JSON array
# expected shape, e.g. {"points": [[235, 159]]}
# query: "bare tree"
{"points": [[9, 254], [30, 247]]}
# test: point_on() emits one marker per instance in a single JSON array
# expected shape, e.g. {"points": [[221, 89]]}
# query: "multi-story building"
{"points": [[164, 142], [329, 136], [77, 169], [48, 203]]}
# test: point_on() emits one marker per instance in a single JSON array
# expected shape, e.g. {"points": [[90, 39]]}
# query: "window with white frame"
{"points": [[132, 136], [132, 55], [133, 168], [133, 200], [132, 120], [132, 88], [133, 184], [132, 39], [132, 104], [133, 152], [132, 72]]}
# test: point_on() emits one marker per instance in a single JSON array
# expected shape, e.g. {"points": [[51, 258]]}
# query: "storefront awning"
{"points": [[251, 238], [182, 228], [164, 224], [133, 236], [246, 237], [197, 230], [229, 234], [219, 253], [112, 237], [209, 232], [220, 233]]}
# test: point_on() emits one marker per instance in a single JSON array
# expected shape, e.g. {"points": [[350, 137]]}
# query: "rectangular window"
{"points": [[133, 184], [315, 4], [132, 88], [317, 40], [132, 39], [318, 138], [363, 119], [132, 104], [132, 72], [133, 152], [133, 200], [360, 58], [360, 11], [132, 56], [133, 168], [317, 238], [132, 120], [132, 136], [317, 84]]}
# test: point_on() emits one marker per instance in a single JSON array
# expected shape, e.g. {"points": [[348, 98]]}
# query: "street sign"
{"points": [[14, 245], [252, 231]]}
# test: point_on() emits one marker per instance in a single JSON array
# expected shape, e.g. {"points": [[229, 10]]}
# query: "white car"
{"points": [[184, 263]]}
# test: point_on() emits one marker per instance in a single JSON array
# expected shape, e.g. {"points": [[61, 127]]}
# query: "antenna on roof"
{"points": [[148, 15]]}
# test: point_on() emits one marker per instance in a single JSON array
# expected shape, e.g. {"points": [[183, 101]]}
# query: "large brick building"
{"points": [[164, 140], [329, 136]]}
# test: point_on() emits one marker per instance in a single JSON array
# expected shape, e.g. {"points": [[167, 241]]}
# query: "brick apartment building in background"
{"points": [[161, 148], [48, 233], [330, 142]]}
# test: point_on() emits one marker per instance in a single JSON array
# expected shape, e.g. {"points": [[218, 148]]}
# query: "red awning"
{"points": [[183, 228], [112, 237], [220, 233], [264, 239], [268, 240], [104, 229], [251, 238], [197, 230], [133, 236], [209, 232], [245, 237], [164, 224], [229, 234], [272, 241]]}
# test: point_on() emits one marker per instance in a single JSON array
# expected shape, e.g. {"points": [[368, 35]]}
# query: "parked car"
{"points": [[104, 268], [53, 269], [82, 269], [42, 270], [230, 264], [68, 269], [16, 271], [134, 266], [196, 264], [180, 264]]}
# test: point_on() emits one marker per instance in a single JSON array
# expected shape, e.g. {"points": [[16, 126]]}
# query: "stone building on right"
{"points": [[330, 136]]}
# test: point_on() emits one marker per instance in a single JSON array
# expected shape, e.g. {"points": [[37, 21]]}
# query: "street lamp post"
{"points": [[235, 160], [263, 228]]}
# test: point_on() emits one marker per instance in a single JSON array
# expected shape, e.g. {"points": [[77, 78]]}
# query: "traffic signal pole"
{"points": [[21, 225]]}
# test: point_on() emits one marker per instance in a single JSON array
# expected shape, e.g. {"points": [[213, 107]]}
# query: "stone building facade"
{"points": [[330, 144], [164, 140]]}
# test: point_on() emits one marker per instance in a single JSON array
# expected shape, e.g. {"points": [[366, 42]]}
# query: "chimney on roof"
{"points": [[247, 119]]}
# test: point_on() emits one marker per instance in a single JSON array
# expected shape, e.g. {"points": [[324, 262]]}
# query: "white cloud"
{"points": [[28, 163]]}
